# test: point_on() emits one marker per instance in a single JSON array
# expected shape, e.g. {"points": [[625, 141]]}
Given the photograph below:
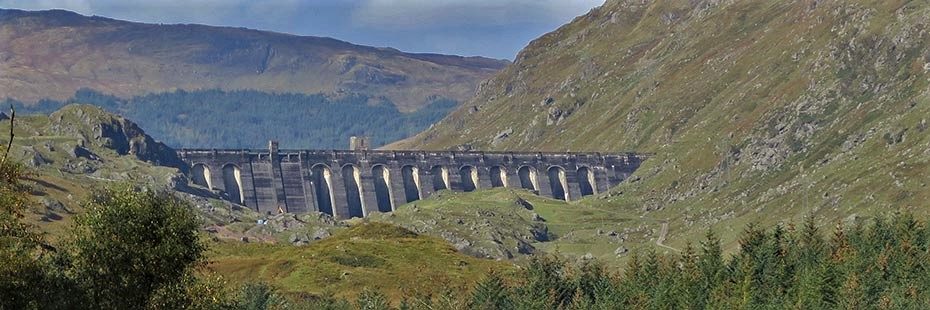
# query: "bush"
{"points": [[259, 296], [133, 244]]}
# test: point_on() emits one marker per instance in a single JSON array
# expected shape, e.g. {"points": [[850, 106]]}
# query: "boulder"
{"points": [[38, 160], [298, 239], [320, 233], [523, 203], [621, 251], [540, 233], [54, 205], [537, 218], [525, 248]]}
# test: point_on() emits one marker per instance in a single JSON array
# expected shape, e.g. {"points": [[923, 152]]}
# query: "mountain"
{"points": [[51, 54], [757, 111], [203, 118]]}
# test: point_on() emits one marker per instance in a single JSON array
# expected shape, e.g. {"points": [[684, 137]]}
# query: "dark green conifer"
{"points": [[491, 294]]}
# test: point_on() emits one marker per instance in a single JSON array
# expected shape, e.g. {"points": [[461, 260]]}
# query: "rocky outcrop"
{"points": [[98, 129]]}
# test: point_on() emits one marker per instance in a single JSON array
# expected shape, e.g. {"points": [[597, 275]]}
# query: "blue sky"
{"points": [[492, 28]]}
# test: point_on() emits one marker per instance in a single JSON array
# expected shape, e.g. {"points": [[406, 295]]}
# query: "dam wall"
{"points": [[348, 184]]}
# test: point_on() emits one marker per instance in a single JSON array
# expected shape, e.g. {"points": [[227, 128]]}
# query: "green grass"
{"points": [[487, 215], [370, 255]]}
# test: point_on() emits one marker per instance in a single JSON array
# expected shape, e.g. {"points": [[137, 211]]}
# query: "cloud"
{"points": [[410, 14]]}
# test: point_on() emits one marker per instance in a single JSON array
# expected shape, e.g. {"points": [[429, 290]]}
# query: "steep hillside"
{"points": [[51, 54], [757, 110]]}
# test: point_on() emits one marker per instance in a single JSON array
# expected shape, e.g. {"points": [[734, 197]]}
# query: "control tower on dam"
{"points": [[354, 183]]}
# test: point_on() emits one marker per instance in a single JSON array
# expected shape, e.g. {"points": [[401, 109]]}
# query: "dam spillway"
{"points": [[355, 183]]}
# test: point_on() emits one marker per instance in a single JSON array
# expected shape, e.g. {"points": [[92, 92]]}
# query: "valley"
{"points": [[648, 154]]}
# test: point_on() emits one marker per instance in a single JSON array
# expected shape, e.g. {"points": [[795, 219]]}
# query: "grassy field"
{"points": [[374, 256], [499, 219]]}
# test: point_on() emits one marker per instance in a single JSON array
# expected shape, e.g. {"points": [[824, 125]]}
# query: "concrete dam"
{"points": [[354, 183]]}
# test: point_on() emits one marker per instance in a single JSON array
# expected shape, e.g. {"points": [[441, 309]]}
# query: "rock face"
{"points": [[745, 103], [51, 54], [99, 128]]}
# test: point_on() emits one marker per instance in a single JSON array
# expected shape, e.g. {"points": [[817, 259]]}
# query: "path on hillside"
{"points": [[662, 233]]}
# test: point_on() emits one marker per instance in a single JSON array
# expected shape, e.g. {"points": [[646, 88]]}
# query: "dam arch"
{"points": [[528, 178], [411, 178], [558, 183], [469, 178], [322, 180], [232, 183], [586, 183], [381, 178], [440, 176], [200, 175], [352, 179], [498, 176]]}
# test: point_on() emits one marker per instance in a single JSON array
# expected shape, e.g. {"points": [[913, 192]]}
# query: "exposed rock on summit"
{"points": [[101, 129]]}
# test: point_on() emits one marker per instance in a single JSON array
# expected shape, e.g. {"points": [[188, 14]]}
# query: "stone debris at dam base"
{"points": [[348, 184]]}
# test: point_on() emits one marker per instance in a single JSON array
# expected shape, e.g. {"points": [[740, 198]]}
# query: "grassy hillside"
{"points": [[371, 256], [757, 111], [504, 223], [80, 148], [51, 54]]}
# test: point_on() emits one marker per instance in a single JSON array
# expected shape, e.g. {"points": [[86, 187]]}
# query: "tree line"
{"points": [[880, 265], [249, 118]]}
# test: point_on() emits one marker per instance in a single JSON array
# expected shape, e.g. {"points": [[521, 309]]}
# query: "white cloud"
{"points": [[453, 13]]}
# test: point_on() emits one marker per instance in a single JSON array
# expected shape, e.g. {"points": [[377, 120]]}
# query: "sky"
{"points": [[491, 28]]}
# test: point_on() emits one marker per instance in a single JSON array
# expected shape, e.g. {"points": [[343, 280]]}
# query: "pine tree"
{"points": [[851, 295], [580, 301], [689, 290], [545, 285], [591, 277], [491, 294]]}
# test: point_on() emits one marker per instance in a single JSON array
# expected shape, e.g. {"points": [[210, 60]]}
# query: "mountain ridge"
{"points": [[63, 51]]}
